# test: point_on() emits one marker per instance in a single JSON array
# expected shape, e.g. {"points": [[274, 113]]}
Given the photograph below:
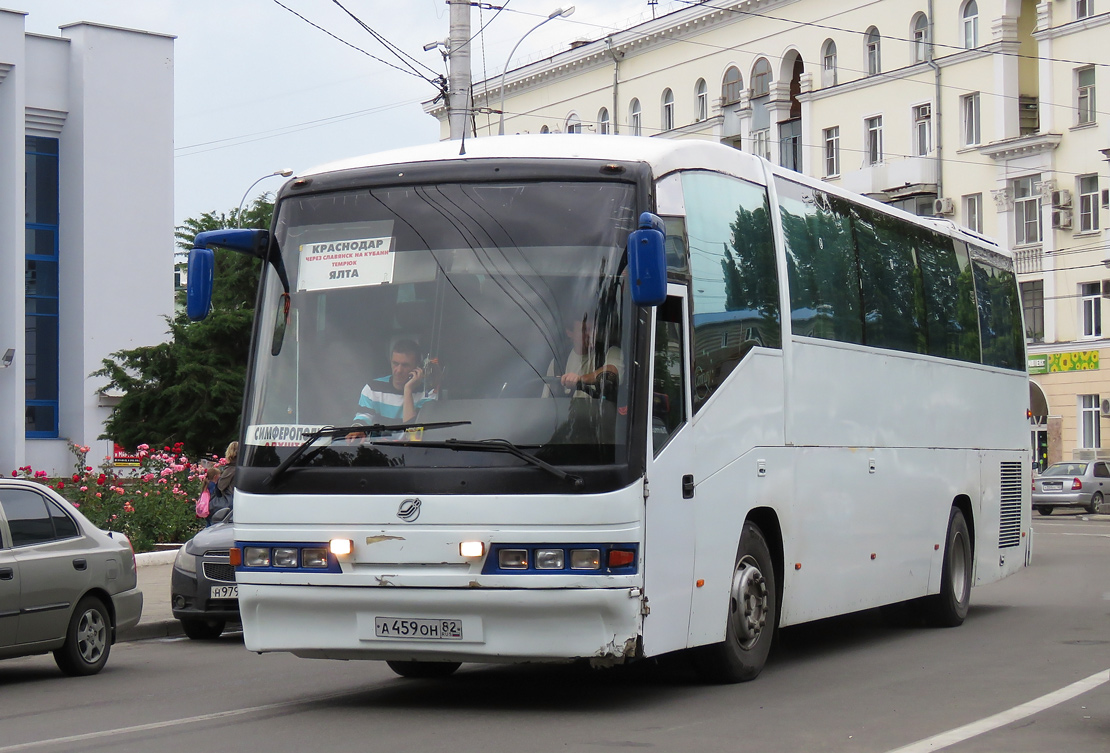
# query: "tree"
{"points": [[190, 389]]}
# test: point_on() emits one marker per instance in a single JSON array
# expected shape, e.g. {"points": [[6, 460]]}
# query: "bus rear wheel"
{"points": [[752, 615], [424, 670], [949, 607]]}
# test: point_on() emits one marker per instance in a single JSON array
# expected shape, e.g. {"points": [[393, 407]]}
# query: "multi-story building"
{"points": [[86, 226], [982, 111]]}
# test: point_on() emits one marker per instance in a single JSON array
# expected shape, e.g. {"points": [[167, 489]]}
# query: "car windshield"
{"points": [[466, 312], [1065, 469]]}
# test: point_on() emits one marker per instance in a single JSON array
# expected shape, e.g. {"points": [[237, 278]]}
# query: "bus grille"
{"points": [[1009, 518]]}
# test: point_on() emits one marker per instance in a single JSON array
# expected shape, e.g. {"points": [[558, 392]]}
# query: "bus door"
{"points": [[669, 517]]}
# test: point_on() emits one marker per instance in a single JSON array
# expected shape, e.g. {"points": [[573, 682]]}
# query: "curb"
{"points": [[153, 629], [164, 557]]}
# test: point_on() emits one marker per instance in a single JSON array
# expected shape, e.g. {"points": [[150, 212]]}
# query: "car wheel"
{"points": [[203, 630], [949, 607], [88, 639], [1096, 500], [1044, 510], [752, 615], [424, 670]]}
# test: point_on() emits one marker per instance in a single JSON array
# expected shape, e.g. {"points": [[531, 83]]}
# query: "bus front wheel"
{"points": [[752, 615], [424, 670], [949, 607]]}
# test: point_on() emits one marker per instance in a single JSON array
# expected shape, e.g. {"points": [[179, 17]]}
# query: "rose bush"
{"points": [[154, 503]]}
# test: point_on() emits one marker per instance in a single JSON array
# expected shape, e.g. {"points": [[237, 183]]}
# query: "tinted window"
{"points": [[1101, 470], [821, 264], [64, 526], [735, 275], [893, 298], [28, 519], [951, 315], [667, 406], [1000, 324]]}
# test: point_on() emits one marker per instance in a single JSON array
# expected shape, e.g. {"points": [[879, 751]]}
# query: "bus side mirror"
{"points": [[647, 262], [198, 293]]}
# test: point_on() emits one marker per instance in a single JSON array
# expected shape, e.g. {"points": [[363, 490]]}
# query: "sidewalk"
{"points": [[154, 569]]}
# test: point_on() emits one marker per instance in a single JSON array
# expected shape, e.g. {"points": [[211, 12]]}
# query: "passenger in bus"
{"points": [[586, 365], [396, 397]]}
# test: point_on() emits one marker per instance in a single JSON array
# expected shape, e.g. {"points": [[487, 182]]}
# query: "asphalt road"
{"points": [[1027, 672]]}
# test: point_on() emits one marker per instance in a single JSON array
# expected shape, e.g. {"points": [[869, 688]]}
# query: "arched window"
{"points": [[871, 49], [701, 100], [668, 110], [920, 37], [634, 120], [731, 87], [574, 125], [761, 78], [545, 129], [970, 24], [603, 121], [828, 63]]}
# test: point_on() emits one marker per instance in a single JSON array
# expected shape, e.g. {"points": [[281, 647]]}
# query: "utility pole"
{"points": [[458, 52]]}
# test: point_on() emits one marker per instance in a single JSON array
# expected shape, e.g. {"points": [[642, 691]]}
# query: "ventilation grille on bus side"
{"points": [[1009, 518]]}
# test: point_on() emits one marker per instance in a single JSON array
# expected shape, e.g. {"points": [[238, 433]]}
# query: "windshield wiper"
{"points": [[492, 445], [342, 431]]}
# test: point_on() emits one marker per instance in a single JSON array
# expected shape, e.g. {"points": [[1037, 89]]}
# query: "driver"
{"points": [[584, 366], [396, 397]]}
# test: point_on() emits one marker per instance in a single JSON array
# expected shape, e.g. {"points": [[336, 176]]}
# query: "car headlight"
{"points": [[185, 562]]}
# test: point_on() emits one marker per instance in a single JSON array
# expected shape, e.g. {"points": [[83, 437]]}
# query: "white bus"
{"points": [[774, 403]]}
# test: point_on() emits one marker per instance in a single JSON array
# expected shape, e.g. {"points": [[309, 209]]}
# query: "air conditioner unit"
{"points": [[1061, 198], [943, 206], [1061, 219], [1104, 406]]}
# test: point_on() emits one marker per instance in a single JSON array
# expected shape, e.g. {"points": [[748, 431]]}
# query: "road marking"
{"points": [[968, 731], [171, 723]]}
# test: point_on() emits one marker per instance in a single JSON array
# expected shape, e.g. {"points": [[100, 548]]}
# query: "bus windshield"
{"points": [[459, 311]]}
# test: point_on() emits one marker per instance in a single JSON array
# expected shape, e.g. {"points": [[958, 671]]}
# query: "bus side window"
{"points": [[668, 408]]}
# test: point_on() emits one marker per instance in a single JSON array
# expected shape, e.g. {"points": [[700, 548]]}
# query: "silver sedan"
{"points": [[65, 585], [1074, 484]]}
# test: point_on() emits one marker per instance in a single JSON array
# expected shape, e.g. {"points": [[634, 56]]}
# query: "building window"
{"points": [[873, 149], [970, 24], [1027, 210], [920, 38], [603, 120], [790, 145], [41, 350], [1032, 303], [761, 143], [1088, 202], [761, 78], [573, 124], [832, 151], [544, 129], [1084, 9], [1091, 304], [874, 62], [668, 110], [1089, 417], [922, 130], [969, 117], [828, 63], [701, 100], [732, 85], [1085, 80], [973, 212], [634, 119]]}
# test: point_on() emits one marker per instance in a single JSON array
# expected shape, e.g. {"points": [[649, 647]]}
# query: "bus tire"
{"points": [[424, 670], [949, 607], [752, 615]]}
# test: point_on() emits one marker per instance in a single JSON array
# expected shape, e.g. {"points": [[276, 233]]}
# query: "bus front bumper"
{"points": [[483, 625]]}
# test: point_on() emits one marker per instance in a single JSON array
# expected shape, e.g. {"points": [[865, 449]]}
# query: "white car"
{"points": [[65, 585]]}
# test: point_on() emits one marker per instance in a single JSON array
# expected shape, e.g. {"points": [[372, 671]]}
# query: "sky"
{"points": [[257, 89]]}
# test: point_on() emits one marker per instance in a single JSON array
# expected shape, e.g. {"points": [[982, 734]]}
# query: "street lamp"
{"points": [[285, 173], [557, 13]]}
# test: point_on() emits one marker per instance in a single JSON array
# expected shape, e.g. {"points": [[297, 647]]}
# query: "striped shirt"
{"points": [[381, 402]]}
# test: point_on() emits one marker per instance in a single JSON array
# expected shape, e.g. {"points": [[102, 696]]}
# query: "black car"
{"points": [[203, 594]]}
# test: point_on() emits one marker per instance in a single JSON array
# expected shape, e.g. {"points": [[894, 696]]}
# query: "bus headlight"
{"points": [[550, 559], [316, 556], [285, 557], [513, 559], [256, 556], [585, 559]]}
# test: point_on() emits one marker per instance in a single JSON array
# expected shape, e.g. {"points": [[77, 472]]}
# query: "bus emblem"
{"points": [[409, 510]]}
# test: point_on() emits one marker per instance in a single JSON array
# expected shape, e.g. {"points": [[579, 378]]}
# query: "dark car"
{"points": [[65, 585], [1074, 484], [203, 594]]}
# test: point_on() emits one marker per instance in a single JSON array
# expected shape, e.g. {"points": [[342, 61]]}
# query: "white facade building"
{"points": [[983, 111], [86, 226]]}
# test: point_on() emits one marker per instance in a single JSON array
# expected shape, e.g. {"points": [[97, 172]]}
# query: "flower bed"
{"points": [[154, 503]]}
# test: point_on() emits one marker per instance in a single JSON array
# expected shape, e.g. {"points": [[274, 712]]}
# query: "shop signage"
{"points": [[1053, 363]]}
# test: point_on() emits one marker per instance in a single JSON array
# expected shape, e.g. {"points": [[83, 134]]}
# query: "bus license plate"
{"points": [[404, 627], [225, 592]]}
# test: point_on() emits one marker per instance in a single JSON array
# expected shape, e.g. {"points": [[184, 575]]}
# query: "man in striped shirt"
{"points": [[394, 398]]}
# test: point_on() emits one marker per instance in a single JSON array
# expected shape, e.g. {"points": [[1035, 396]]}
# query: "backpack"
{"points": [[203, 503]]}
